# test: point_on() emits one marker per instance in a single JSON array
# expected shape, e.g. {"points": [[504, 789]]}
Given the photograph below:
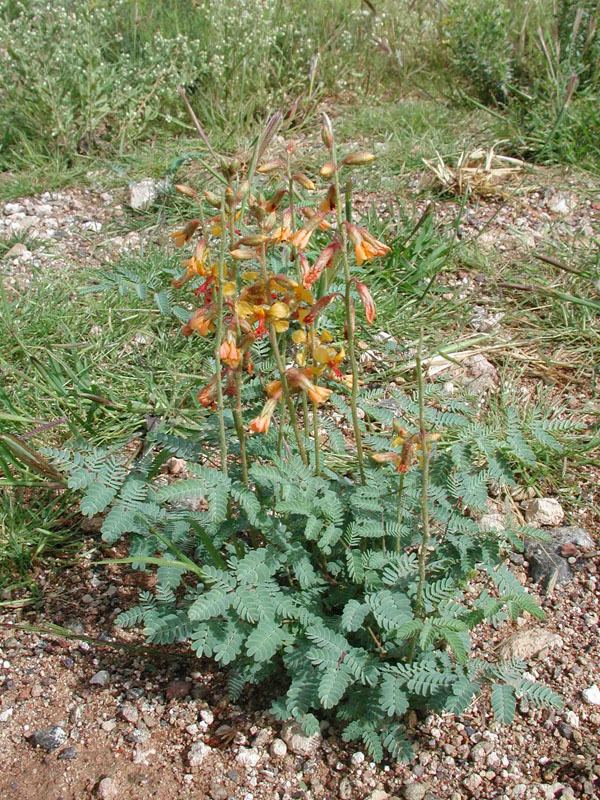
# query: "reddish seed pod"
{"points": [[328, 170]]}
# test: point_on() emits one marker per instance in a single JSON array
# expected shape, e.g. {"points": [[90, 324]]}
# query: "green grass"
{"points": [[98, 360]]}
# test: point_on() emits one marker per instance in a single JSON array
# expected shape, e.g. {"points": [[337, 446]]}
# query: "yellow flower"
{"points": [[180, 237]]}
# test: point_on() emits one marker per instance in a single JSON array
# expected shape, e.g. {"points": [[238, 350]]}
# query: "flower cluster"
{"points": [[262, 267]]}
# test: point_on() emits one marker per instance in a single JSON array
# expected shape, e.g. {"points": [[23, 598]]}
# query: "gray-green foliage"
{"points": [[311, 581]]}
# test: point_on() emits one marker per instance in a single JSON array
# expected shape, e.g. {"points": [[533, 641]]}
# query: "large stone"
{"points": [[101, 678], [18, 250], [492, 523], [143, 194], [248, 757], [546, 562], [107, 789], [591, 695], [297, 742], [415, 791], [526, 644], [544, 511]]}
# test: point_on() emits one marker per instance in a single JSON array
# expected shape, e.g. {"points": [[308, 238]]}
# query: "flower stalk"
{"points": [[218, 342], [349, 306]]}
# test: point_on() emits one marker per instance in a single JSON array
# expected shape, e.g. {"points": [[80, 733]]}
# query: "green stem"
{"points": [[218, 341], [315, 420], [238, 417], [400, 511], [286, 394], [424, 549], [349, 311], [281, 365]]}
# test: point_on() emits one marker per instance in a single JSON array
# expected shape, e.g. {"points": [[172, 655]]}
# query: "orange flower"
{"points": [[196, 265], [261, 423], [298, 379], [284, 231], [318, 394], [201, 321], [229, 352], [366, 246], [325, 259], [208, 394], [329, 203], [367, 301], [301, 237], [180, 237]]}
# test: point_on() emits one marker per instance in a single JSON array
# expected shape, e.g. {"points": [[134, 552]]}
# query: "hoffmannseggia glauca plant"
{"points": [[333, 561]]}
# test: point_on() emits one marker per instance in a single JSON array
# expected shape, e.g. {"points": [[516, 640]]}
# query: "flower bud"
{"points": [[327, 132], [269, 222], [186, 190], [358, 159], [328, 170], [304, 181], [254, 239], [268, 167], [242, 190], [212, 199], [243, 254]]}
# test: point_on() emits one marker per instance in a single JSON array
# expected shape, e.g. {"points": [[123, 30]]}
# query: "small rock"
{"points": [[218, 792], [13, 208], [345, 789], [68, 754], [248, 757], [378, 794], [415, 791], [358, 758], [108, 725], [278, 748], [483, 320], [129, 713], [566, 731], [198, 753], [526, 644], [481, 375], [101, 678], [143, 194], [18, 250], [572, 719], [6, 714], [178, 689], [544, 511], [206, 715], [473, 782], [49, 739], [492, 523], [545, 560], [591, 695], [107, 789], [176, 466], [297, 742], [92, 225], [561, 202]]}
